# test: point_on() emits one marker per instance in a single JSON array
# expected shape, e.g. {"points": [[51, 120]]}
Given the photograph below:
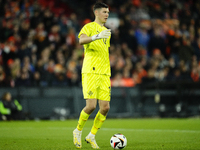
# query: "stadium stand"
{"points": [[154, 41]]}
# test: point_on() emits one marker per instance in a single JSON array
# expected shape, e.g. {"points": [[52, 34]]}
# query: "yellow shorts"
{"points": [[96, 86]]}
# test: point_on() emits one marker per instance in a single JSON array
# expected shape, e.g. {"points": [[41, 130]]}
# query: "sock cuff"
{"points": [[84, 115]]}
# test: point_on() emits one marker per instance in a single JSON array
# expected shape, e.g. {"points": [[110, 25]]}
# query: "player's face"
{"points": [[103, 14]]}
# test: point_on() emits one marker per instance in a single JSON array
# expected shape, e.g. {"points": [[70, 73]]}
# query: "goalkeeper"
{"points": [[95, 74]]}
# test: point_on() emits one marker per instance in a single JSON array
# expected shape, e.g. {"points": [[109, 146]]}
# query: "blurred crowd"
{"points": [[155, 41]]}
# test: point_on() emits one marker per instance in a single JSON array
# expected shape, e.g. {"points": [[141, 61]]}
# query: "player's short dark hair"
{"points": [[98, 5]]}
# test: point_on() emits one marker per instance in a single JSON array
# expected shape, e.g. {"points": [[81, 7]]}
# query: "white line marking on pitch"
{"points": [[105, 129], [133, 130]]}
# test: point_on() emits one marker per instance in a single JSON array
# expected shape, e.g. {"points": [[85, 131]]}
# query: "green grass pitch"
{"points": [[142, 134]]}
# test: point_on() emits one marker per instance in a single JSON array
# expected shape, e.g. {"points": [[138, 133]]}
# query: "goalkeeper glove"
{"points": [[104, 34]]}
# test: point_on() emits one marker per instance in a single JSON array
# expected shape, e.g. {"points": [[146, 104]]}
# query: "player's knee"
{"points": [[105, 109], [91, 108]]}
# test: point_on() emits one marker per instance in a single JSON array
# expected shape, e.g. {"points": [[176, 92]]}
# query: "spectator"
{"points": [[36, 79], [74, 79], [184, 70], [139, 73], [25, 78], [156, 42], [47, 18], [186, 51], [196, 46], [35, 19], [195, 74], [120, 81], [24, 29], [142, 35], [3, 80], [150, 78], [195, 69]]}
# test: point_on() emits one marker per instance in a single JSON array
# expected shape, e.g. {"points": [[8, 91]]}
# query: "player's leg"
{"points": [[84, 115], [90, 94], [104, 106], [98, 122], [91, 102]]}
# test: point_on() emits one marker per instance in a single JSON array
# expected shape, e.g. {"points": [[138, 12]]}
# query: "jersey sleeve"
{"points": [[85, 30]]}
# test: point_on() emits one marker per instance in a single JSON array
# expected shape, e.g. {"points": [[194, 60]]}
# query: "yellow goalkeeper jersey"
{"points": [[96, 53]]}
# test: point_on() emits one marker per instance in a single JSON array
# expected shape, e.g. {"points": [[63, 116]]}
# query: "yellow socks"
{"points": [[98, 122], [82, 120]]}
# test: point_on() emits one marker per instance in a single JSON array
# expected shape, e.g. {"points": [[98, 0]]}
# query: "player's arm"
{"points": [[84, 39]]}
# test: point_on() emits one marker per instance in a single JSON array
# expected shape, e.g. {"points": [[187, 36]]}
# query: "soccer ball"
{"points": [[118, 141]]}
